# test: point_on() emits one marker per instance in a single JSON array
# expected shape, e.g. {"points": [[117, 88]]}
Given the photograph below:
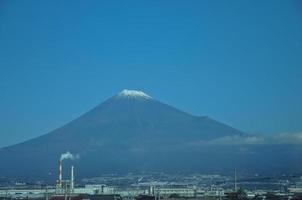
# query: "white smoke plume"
{"points": [[69, 156]]}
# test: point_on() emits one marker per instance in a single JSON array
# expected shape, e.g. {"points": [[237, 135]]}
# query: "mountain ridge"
{"points": [[133, 133]]}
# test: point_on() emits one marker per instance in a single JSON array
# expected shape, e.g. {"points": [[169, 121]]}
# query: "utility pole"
{"points": [[65, 192], [235, 180], [46, 193]]}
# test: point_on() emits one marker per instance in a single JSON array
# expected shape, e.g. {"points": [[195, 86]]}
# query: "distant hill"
{"points": [[132, 132]]}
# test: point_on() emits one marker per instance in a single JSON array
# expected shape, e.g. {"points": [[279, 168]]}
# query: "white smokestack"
{"points": [[72, 180], [65, 156], [60, 173]]}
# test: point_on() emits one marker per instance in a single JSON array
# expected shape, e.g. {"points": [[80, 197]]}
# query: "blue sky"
{"points": [[239, 62]]}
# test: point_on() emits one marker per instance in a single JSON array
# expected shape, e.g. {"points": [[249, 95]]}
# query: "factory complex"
{"points": [[168, 187]]}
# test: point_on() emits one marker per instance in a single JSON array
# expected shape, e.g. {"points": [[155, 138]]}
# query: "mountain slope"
{"points": [[130, 131]]}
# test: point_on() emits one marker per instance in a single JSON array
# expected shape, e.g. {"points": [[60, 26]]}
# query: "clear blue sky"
{"points": [[239, 62]]}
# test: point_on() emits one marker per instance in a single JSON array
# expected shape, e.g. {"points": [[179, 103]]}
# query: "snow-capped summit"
{"points": [[133, 94]]}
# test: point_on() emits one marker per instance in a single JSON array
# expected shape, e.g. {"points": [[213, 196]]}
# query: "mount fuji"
{"points": [[133, 132]]}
